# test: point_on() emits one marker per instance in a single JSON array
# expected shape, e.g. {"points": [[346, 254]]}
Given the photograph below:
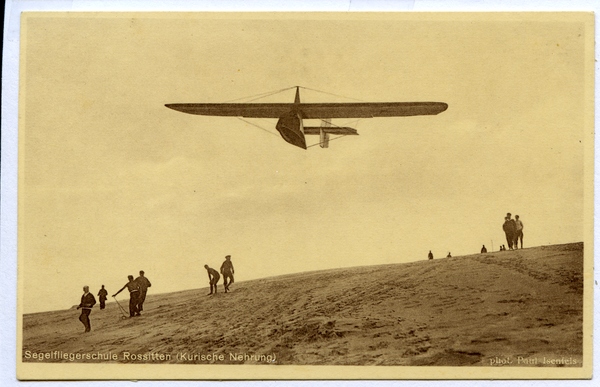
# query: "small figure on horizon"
{"points": [[509, 228], [213, 278], [483, 249], [102, 294], [449, 255], [430, 255], [519, 233], [227, 271], [87, 302], [134, 293], [144, 284], [502, 248]]}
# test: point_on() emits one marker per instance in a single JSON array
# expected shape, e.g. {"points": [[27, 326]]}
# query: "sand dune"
{"points": [[523, 306]]}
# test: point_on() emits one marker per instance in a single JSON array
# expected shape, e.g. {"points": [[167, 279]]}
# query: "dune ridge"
{"points": [[523, 307]]}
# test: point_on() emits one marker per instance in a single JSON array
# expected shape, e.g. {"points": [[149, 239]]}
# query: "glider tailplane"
{"points": [[325, 130]]}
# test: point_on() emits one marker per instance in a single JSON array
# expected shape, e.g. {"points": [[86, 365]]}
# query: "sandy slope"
{"points": [[470, 310]]}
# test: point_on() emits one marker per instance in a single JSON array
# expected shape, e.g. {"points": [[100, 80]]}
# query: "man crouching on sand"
{"points": [[213, 278], [87, 302]]}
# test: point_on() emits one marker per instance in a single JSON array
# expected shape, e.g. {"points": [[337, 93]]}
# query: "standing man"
{"points": [[227, 271], [510, 230], [102, 297], [87, 302], [134, 292], [519, 234], [213, 278], [430, 255], [144, 284], [483, 249]]}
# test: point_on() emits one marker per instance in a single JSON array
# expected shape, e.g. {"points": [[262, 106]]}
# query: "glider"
{"points": [[291, 115]]}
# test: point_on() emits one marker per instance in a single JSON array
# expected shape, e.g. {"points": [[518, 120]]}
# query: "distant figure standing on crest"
{"points": [[430, 255], [144, 284], [227, 271], [483, 249], [519, 233], [87, 302], [102, 294], [213, 278], [510, 230], [134, 293], [449, 255]]}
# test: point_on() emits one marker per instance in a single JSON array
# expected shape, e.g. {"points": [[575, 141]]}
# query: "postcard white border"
{"points": [[8, 240]]}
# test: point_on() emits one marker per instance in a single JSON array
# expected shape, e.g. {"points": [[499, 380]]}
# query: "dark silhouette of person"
{"points": [[102, 297], [430, 255], [213, 278], [144, 284], [449, 255], [134, 293], [510, 229], [227, 271], [483, 249], [519, 232], [86, 304]]}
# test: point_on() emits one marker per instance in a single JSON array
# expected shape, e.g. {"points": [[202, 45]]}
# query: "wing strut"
{"points": [[326, 123]]}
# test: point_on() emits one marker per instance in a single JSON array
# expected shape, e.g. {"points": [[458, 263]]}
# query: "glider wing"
{"points": [[312, 110]]}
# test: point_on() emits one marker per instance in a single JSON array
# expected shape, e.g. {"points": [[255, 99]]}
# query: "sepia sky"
{"points": [[112, 182]]}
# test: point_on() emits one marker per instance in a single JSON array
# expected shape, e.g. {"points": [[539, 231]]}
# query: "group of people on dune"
{"points": [[137, 295], [139, 287], [513, 228], [213, 275]]}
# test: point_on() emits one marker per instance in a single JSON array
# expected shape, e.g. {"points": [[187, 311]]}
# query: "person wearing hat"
{"points": [[510, 229], [144, 284], [227, 271]]}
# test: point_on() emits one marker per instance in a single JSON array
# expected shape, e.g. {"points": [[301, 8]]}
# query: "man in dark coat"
{"points": [[102, 297], [87, 302], [134, 293], [430, 255], [510, 230], [483, 249], [213, 278], [144, 284], [227, 271]]}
